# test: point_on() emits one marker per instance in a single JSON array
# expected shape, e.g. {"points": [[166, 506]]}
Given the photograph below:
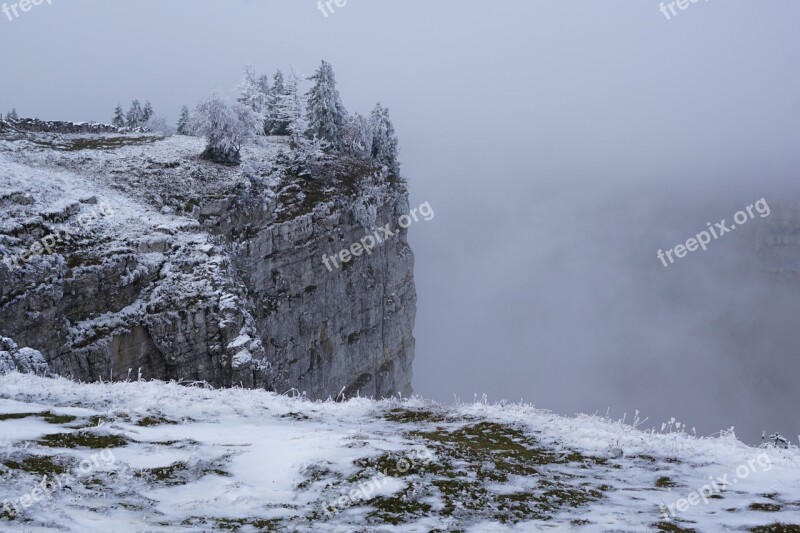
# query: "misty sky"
{"points": [[560, 144]]}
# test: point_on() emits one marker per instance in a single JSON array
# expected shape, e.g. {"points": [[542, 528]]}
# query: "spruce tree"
{"points": [[326, 115], [252, 95], [276, 124], [291, 109], [183, 121], [12, 117], [384, 139], [263, 84], [135, 113], [119, 117], [147, 113], [357, 137]]}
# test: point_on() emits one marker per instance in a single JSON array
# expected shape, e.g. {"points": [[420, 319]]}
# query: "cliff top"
{"points": [[152, 183]]}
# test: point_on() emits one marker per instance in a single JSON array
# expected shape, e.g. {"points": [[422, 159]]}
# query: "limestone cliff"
{"points": [[126, 256]]}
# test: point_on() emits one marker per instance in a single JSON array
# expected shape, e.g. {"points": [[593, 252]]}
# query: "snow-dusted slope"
{"points": [[153, 456]]}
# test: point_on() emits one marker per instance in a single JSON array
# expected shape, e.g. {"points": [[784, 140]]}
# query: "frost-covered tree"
{"points": [[135, 115], [357, 137], [183, 121], [264, 88], [277, 123], [12, 116], [326, 115], [147, 113], [158, 124], [251, 93], [290, 109], [226, 129], [263, 84], [384, 140], [119, 117]]}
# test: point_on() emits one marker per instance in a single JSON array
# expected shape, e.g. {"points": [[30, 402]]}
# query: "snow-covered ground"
{"points": [[152, 456], [144, 179]]}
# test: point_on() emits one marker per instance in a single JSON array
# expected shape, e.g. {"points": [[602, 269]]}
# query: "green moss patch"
{"points": [[179, 473], [468, 460], [41, 465], [498, 451], [776, 528], [669, 527], [58, 419], [295, 416], [82, 439], [17, 416], [765, 507], [235, 524], [150, 421], [399, 509], [46, 415], [409, 416], [664, 483], [93, 421], [313, 474]]}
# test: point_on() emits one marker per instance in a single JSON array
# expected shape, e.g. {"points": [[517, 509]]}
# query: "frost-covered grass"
{"points": [[197, 459]]}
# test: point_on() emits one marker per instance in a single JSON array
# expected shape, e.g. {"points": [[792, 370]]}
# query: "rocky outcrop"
{"points": [[41, 126], [58, 126], [207, 273], [25, 360]]}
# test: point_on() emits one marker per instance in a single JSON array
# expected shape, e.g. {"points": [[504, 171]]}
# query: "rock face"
{"points": [[331, 332], [203, 273]]}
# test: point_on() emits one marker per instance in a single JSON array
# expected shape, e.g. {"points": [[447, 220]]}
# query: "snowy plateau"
{"points": [[168, 457]]}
